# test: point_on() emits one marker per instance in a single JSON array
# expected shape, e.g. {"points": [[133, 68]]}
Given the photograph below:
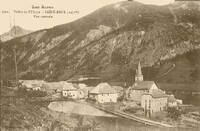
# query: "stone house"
{"points": [[68, 90], [103, 93]]}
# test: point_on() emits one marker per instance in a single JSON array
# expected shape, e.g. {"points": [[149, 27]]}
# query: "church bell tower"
{"points": [[138, 75]]}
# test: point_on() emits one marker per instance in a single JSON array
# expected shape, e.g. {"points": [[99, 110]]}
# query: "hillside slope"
{"points": [[20, 112], [108, 42]]}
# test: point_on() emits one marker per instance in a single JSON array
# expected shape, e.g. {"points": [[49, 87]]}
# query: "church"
{"points": [[147, 93], [140, 86]]}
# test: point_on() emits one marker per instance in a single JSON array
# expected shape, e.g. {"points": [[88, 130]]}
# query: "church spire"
{"points": [[139, 71], [139, 76]]}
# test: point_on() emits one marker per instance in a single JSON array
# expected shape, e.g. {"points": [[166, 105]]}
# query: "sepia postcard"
{"points": [[100, 65]]}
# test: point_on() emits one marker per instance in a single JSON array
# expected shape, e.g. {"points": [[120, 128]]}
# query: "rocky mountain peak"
{"points": [[15, 31]]}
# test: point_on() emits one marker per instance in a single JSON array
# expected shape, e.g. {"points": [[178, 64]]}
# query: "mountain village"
{"points": [[100, 70], [145, 97]]}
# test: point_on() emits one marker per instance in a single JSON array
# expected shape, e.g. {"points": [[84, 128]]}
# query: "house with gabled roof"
{"points": [[153, 101], [32, 84], [80, 93], [103, 93], [64, 88], [51, 87], [68, 90]]}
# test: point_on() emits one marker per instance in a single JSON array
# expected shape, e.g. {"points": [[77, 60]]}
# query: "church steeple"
{"points": [[139, 76]]}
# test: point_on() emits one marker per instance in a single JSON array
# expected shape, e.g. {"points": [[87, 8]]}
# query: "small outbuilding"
{"points": [[171, 101]]}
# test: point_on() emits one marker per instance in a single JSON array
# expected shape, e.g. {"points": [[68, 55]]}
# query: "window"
{"points": [[145, 104], [149, 104]]}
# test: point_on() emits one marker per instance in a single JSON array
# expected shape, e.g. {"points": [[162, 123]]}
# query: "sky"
{"points": [[74, 9]]}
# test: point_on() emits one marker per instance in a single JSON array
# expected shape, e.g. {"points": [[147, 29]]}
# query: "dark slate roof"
{"points": [[156, 93], [142, 85], [103, 88]]}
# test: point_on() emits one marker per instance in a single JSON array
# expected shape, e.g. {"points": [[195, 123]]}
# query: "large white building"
{"points": [[103, 93], [153, 101]]}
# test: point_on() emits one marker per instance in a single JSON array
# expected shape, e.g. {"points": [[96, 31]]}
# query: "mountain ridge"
{"points": [[110, 41]]}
